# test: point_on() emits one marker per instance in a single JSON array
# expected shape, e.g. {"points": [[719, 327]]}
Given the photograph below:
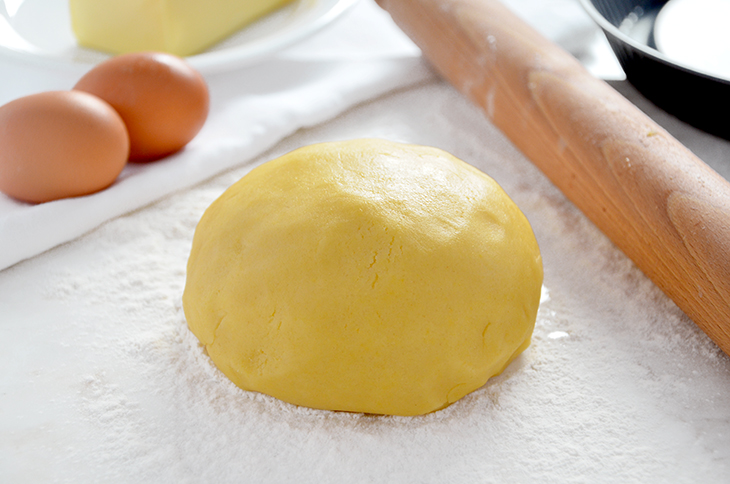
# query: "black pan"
{"points": [[698, 98]]}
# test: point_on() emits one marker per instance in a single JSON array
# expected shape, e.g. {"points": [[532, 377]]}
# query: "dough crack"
{"points": [[390, 246], [484, 333], [375, 281], [272, 318], [375, 259], [215, 330]]}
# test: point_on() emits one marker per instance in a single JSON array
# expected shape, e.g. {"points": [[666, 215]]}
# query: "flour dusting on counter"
{"points": [[107, 384]]}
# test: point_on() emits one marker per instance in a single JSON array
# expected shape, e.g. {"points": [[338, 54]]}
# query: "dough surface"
{"points": [[364, 276]]}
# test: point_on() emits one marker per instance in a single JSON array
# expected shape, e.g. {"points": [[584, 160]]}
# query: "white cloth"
{"points": [[243, 123], [251, 110], [360, 57]]}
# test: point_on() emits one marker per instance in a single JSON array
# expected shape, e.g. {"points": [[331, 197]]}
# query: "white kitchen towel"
{"points": [[251, 110], [361, 56]]}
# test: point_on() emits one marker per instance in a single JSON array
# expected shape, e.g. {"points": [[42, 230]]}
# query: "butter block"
{"points": [[180, 27]]}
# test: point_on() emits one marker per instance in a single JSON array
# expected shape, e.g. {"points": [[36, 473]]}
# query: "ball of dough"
{"points": [[364, 276]]}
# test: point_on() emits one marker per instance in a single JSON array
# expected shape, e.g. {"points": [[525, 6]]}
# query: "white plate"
{"points": [[695, 33], [39, 32]]}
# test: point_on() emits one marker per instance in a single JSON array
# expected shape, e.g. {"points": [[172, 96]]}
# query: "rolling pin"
{"points": [[661, 205]]}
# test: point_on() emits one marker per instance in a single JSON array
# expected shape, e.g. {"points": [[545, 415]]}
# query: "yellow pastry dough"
{"points": [[365, 276]]}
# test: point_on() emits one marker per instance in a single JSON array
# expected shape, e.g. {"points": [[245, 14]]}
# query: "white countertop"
{"points": [[102, 382]]}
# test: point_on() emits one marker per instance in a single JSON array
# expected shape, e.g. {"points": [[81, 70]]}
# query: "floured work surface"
{"points": [[102, 380]]}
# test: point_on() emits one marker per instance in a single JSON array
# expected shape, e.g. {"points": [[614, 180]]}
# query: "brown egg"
{"points": [[161, 98], [59, 144]]}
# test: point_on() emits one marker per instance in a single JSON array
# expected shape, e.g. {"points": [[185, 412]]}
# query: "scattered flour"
{"points": [[108, 385]]}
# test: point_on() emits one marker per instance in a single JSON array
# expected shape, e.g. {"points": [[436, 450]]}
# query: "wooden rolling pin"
{"points": [[661, 205]]}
